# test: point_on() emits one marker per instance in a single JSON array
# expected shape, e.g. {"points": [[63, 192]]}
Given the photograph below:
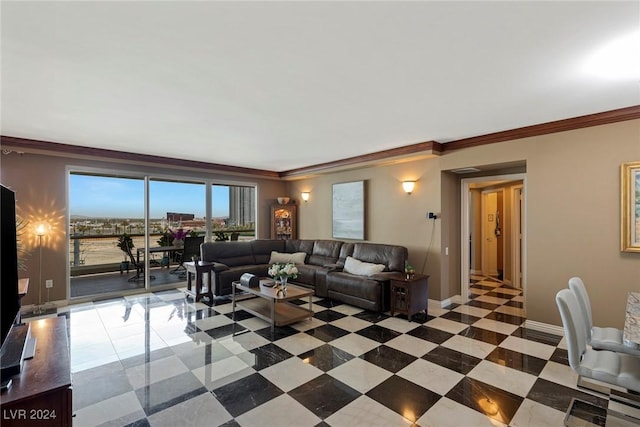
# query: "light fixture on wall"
{"points": [[41, 230], [408, 186], [305, 196]]}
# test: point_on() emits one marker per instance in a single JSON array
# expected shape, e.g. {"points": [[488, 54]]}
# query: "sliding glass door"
{"points": [[162, 220]]}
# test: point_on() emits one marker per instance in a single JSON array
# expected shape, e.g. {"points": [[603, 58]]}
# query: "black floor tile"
{"points": [[454, 360], [324, 395], [460, 317], [517, 304], [388, 358], [225, 331], [505, 318], [246, 393], [378, 333], [430, 334], [326, 357], [484, 335], [90, 387], [560, 355], [491, 401], [139, 423], [498, 294], [594, 415], [240, 315], [328, 315], [371, 316], [513, 359], [404, 397], [482, 304], [559, 397], [268, 355], [452, 306], [327, 332], [279, 332], [538, 336]]}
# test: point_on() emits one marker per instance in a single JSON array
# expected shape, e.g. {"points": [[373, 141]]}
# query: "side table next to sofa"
{"points": [[198, 269], [409, 295]]}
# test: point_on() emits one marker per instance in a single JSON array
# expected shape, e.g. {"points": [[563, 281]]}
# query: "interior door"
{"points": [[489, 240]]}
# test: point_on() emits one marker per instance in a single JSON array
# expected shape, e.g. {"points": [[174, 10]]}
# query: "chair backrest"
{"points": [[130, 253], [573, 325], [580, 291], [191, 247]]}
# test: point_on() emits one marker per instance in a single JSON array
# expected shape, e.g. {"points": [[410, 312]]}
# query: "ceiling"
{"points": [[285, 85]]}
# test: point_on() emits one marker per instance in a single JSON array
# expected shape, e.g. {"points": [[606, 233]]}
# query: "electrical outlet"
{"points": [[48, 283], [432, 215]]}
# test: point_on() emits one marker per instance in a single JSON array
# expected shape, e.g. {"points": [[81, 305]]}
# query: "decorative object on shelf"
{"points": [[283, 200], [408, 186], [630, 207], [305, 196], [409, 271], [41, 230], [282, 273], [178, 236], [283, 222]]}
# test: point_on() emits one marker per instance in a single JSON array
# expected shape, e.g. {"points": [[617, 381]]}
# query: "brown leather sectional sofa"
{"points": [[322, 270]]}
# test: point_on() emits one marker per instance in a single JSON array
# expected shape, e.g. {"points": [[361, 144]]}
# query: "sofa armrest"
{"points": [[384, 276], [333, 267], [218, 267]]}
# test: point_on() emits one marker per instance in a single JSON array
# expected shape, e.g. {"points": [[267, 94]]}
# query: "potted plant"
{"points": [[125, 241]]}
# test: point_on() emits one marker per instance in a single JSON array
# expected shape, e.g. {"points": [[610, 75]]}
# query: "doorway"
{"points": [[493, 230]]}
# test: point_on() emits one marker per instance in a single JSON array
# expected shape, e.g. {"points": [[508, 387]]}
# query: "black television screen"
{"points": [[9, 303]]}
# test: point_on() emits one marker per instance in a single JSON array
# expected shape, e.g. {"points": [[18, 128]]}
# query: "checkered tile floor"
{"points": [[161, 360]]}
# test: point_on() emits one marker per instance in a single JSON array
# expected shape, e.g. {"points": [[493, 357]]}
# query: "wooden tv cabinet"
{"points": [[41, 394]]}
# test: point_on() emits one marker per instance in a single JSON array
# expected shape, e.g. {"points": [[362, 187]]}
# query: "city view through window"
{"points": [[104, 208]]}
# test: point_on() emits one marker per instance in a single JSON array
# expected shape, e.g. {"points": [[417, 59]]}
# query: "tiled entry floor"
{"points": [[161, 360]]}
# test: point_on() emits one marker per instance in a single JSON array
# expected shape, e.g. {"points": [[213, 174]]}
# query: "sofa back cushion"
{"points": [[360, 268], [285, 257], [229, 253], [345, 251], [262, 249], [325, 252], [393, 257], [295, 245]]}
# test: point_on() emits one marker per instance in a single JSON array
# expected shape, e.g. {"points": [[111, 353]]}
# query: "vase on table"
{"points": [[283, 283]]}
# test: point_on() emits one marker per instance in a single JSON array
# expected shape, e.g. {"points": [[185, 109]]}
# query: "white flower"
{"points": [[287, 270]]}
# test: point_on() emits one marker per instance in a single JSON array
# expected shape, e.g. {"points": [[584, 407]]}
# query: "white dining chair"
{"points": [[597, 337], [622, 370]]}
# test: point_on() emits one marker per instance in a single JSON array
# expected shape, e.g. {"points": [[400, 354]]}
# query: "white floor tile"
{"points": [[511, 380], [366, 412], [431, 376], [447, 413], [411, 345], [201, 410], [355, 344], [446, 325], [360, 374], [532, 348], [351, 324], [102, 412], [492, 325], [299, 343], [531, 413], [290, 373], [279, 412], [469, 346]]}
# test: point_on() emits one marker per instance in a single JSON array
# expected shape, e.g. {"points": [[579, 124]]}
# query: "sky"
{"points": [[96, 196]]}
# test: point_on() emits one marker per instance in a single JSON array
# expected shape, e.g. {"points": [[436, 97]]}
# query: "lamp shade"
{"points": [[408, 186], [305, 196]]}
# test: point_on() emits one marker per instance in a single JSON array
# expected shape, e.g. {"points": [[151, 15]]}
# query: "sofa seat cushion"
{"points": [[356, 286], [307, 274], [360, 268]]}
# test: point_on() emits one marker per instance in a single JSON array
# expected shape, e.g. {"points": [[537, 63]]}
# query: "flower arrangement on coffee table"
{"points": [[283, 272]]}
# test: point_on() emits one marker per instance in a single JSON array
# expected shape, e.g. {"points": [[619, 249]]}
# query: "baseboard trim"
{"points": [[544, 327], [456, 299]]}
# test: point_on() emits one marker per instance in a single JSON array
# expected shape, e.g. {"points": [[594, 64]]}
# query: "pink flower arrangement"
{"points": [[179, 234]]}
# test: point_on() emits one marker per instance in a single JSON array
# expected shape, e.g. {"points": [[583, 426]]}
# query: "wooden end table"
{"points": [[199, 269], [409, 295]]}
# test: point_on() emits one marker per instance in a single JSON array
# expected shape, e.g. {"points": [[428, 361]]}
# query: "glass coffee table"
{"points": [[270, 305]]}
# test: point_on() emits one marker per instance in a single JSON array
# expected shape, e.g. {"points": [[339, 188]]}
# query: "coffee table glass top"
{"points": [[265, 291]]}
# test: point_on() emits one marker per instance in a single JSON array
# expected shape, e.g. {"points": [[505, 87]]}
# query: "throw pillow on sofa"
{"points": [[283, 258], [360, 268]]}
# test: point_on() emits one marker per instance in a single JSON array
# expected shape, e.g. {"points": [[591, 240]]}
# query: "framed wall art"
{"points": [[630, 207], [349, 210]]}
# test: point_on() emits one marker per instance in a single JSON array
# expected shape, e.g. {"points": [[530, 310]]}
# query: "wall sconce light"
{"points": [[408, 186], [305, 196]]}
